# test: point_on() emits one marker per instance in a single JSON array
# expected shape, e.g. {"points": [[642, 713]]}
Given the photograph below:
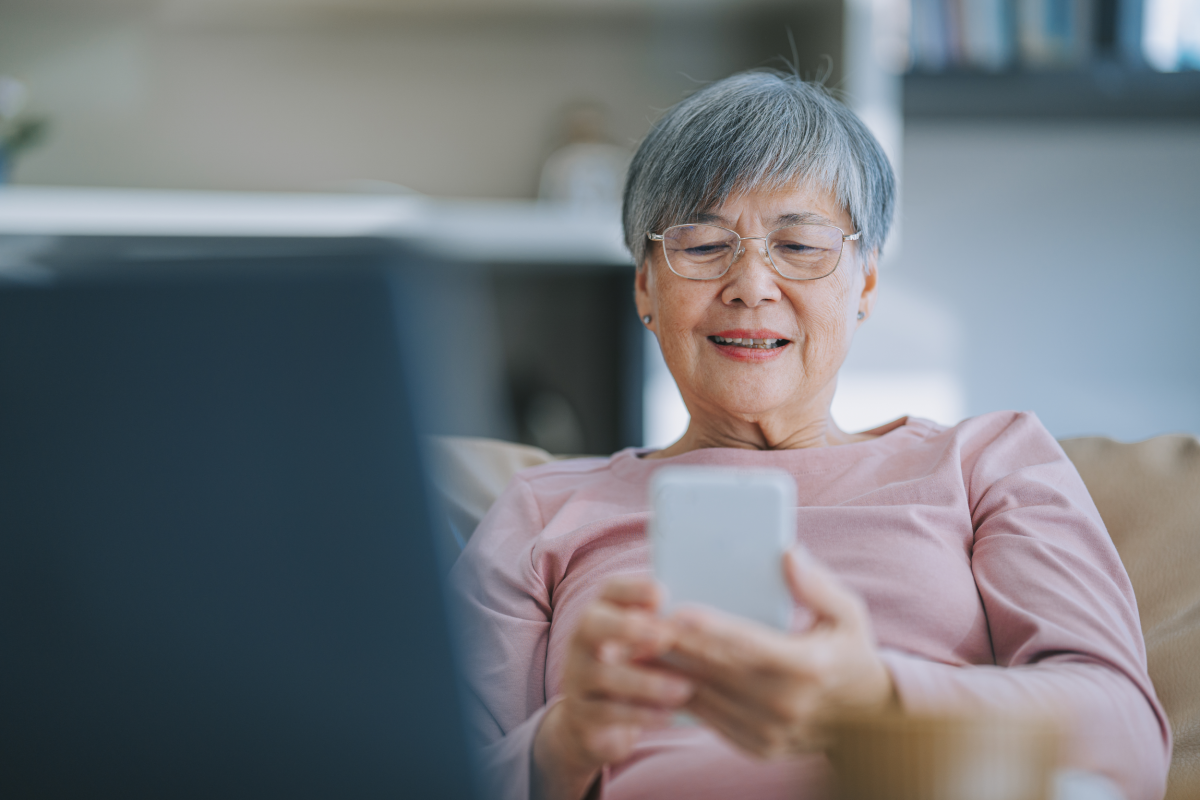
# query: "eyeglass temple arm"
{"points": [[654, 237]]}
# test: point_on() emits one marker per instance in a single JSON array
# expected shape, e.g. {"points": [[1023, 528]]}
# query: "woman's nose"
{"points": [[752, 278]]}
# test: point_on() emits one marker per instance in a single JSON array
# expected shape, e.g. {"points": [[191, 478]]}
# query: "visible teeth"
{"points": [[762, 344]]}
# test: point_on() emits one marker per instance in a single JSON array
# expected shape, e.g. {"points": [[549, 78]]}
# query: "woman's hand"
{"points": [[610, 693], [770, 692]]}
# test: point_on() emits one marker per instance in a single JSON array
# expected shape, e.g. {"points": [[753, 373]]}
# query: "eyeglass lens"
{"points": [[705, 252]]}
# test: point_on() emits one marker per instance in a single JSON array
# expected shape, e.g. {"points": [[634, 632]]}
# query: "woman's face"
{"points": [[817, 318]]}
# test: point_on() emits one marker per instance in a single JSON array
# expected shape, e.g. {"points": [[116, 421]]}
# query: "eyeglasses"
{"points": [[798, 252]]}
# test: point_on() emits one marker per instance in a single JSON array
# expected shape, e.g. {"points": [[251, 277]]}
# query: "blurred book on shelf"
{"points": [[1054, 33], [996, 35], [1035, 35]]}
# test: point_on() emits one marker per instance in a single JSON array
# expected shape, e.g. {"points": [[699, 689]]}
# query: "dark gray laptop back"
{"points": [[217, 572]]}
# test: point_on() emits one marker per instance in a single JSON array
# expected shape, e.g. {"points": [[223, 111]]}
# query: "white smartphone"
{"points": [[717, 537]]}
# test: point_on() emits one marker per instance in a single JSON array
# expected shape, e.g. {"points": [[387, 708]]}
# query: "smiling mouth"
{"points": [[752, 344]]}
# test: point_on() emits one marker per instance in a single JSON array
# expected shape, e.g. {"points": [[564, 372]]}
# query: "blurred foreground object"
{"points": [[531, 283], [218, 570], [17, 132], [899, 757]]}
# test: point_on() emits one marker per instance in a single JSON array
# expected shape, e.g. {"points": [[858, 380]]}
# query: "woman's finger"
{"points": [[634, 633], [633, 590], [608, 712], [730, 719], [814, 586], [727, 650], [761, 731], [630, 683]]}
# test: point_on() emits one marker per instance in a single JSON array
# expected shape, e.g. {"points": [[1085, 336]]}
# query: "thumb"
{"points": [[814, 586]]}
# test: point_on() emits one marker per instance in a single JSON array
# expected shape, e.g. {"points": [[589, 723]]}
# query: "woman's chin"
{"points": [[752, 405]]}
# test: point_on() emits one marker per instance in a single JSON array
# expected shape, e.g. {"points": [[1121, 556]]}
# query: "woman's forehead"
{"points": [[778, 221], [778, 207]]}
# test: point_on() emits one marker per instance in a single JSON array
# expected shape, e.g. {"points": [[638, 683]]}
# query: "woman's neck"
{"points": [[704, 432]]}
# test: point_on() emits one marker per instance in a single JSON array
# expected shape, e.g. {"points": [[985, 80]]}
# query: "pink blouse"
{"points": [[990, 579]]}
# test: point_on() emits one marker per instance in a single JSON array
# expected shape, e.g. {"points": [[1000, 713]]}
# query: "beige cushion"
{"points": [[469, 474], [1149, 496]]}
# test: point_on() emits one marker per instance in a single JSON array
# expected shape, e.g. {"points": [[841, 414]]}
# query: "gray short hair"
{"points": [[756, 130]]}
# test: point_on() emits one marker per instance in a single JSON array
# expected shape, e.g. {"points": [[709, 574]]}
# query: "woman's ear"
{"points": [[866, 300], [643, 286]]}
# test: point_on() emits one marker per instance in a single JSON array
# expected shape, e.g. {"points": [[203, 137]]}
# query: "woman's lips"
{"points": [[750, 345]]}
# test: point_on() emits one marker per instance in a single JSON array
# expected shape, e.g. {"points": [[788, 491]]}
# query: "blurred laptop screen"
{"points": [[217, 570]]}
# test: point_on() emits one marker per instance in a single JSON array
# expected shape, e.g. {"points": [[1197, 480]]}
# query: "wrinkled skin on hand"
{"points": [[768, 692], [613, 689], [771, 693]]}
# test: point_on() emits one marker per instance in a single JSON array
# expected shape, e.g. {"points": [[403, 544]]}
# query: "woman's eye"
{"points": [[706, 250]]}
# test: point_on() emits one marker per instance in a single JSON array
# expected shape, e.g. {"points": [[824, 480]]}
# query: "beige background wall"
{"points": [[460, 98]]}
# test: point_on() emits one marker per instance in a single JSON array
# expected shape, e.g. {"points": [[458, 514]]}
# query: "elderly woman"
{"points": [[952, 569]]}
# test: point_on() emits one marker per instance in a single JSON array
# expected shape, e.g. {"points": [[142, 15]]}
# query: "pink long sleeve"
{"points": [[1060, 610], [989, 577], [504, 614]]}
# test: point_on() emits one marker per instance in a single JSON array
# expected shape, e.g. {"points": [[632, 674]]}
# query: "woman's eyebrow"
{"points": [[801, 218]]}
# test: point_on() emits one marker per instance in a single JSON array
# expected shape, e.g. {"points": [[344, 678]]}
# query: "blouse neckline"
{"points": [[629, 465]]}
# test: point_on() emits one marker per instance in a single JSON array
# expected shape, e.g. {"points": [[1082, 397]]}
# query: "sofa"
{"points": [[1148, 494]]}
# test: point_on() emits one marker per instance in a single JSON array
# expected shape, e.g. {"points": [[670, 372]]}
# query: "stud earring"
{"points": [[861, 315], [646, 319]]}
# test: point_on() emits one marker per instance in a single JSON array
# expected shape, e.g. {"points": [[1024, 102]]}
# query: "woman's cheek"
{"points": [[826, 332], [677, 352]]}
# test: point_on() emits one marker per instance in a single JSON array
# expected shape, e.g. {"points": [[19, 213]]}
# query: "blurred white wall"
{"points": [[1067, 257]]}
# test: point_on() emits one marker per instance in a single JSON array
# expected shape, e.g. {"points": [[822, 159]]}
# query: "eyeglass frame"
{"points": [[661, 237]]}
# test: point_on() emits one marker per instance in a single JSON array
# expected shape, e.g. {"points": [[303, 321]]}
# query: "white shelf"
{"points": [[493, 231]]}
